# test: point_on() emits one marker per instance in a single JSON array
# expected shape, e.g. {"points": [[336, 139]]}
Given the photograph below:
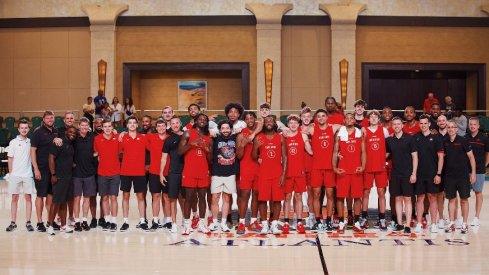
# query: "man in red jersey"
{"points": [[155, 145], [106, 147], [411, 126], [334, 116], [350, 143], [297, 145], [306, 120], [375, 169], [270, 147], [133, 172], [322, 173], [248, 182], [196, 147], [360, 119]]}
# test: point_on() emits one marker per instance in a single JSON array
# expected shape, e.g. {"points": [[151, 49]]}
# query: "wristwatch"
{"points": [[438, 175]]}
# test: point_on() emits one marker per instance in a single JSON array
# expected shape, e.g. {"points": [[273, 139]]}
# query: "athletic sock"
{"points": [[215, 221], [350, 212], [252, 220], [356, 218], [126, 220], [114, 220], [242, 221], [142, 220], [364, 214], [381, 216], [155, 220], [77, 220], [107, 218], [195, 214], [85, 219]]}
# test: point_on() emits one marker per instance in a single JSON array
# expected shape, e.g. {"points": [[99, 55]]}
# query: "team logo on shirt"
{"points": [[198, 151], [293, 150], [351, 148], [271, 154], [375, 146], [324, 144]]}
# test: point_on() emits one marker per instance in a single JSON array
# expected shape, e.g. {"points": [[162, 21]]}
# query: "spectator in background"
{"points": [[116, 109], [430, 99], [99, 101], [106, 112], [461, 121], [89, 109], [129, 108], [449, 107]]}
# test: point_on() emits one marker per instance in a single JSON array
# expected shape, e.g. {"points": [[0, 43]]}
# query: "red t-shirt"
{"points": [[295, 155], [248, 166], [134, 150], [322, 145], [337, 118], [195, 159], [307, 158], [155, 148], [271, 156], [375, 147], [108, 155], [411, 130], [351, 150]]}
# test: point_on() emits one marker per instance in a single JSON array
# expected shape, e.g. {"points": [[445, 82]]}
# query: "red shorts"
{"points": [[270, 190], [195, 182], [349, 186], [248, 182], [323, 177], [295, 184], [380, 179]]}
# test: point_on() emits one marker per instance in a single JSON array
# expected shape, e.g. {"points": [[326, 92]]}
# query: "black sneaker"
{"points": [[40, 227], [56, 226], [161, 225], [154, 226], [29, 227], [167, 225], [144, 226], [12, 226], [139, 223], [113, 227], [407, 230], [78, 227], [329, 227], [317, 227], [399, 227], [101, 223], [106, 226], [124, 227], [85, 226]]}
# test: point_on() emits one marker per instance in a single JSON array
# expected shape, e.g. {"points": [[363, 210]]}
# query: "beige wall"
{"points": [[44, 68], [306, 66], [421, 45], [186, 44]]}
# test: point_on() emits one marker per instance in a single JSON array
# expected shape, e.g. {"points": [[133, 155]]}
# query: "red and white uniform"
{"points": [[108, 155], [375, 168], [349, 184], [134, 155], [364, 123], [155, 148], [196, 167], [411, 130], [322, 168], [296, 172], [248, 167], [336, 118], [307, 163], [270, 168]]}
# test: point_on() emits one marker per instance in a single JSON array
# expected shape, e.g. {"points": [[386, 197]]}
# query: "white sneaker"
{"points": [[434, 228], [50, 231], [418, 228], [174, 228], [441, 224], [265, 228], [458, 224], [66, 229], [475, 222], [464, 228], [201, 227], [187, 229], [213, 227], [225, 228], [275, 230]]}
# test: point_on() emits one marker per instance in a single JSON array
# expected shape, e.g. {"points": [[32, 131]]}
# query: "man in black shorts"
{"points": [[430, 165], [40, 143], [61, 169], [404, 168], [173, 181], [458, 154]]}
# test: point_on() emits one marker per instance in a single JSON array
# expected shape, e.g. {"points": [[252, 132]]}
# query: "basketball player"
{"points": [[334, 116], [306, 120], [441, 122], [411, 126], [360, 119]]}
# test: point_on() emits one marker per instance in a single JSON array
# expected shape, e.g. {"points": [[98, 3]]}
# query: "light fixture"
{"points": [[102, 73], [268, 80], [343, 81]]}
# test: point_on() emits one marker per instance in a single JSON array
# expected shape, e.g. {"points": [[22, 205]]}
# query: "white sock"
{"points": [[155, 220], [242, 221], [77, 220], [214, 221], [168, 219], [195, 214], [142, 220], [126, 220], [253, 220], [85, 219], [113, 220], [107, 218]]}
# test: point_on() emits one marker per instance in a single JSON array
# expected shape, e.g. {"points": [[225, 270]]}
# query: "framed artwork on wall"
{"points": [[192, 91]]}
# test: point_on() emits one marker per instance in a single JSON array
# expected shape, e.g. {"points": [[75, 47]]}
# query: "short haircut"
{"points": [[132, 118], [434, 103], [47, 113], [474, 118], [23, 121], [70, 127], [265, 106], [89, 97], [373, 112], [409, 107], [98, 119], [222, 122], [330, 97], [360, 102], [167, 107], [396, 118], [235, 105], [106, 120], [306, 110], [160, 121], [320, 111], [148, 116], [249, 113], [193, 104], [175, 117], [424, 117], [293, 117], [84, 119], [69, 113]]}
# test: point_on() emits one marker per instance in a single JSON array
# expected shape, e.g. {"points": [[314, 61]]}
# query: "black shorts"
{"points": [[426, 185], [139, 182], [462, 185], [174, 184], [44, 186], [155, 184], [108, 186], [400, 187], [63, 190]]}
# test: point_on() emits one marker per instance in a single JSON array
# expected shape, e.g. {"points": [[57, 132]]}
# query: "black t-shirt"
{"points": [[480, 146], [171, 148], [428, 148], [61, 131], [456, 163], [42, 140], [64, 158], [225, 162], [433, 124], [84, 160], [401, 149]]}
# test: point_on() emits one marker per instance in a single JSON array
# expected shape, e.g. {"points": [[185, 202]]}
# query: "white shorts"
{"points": [[223, 184], [15, 184]]}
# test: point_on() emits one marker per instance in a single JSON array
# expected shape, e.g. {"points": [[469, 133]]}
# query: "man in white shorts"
{"points": [[19, 166]]}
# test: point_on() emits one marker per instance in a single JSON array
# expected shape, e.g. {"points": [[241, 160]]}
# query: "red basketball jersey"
{"points": [[411, 130], [337, 118], [271, 156], [322, 145], [307, 158], [351, 150], [195, 159], [375, 148], [295, 155], [248, 166]]}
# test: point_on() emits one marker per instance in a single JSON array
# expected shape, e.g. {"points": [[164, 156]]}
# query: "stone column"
{"points": [[269, 45], [343, 45], [102, 46]]}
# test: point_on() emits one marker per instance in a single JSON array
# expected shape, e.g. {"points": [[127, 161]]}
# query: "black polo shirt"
{"points": [[480, 146], [401, 149], [171, 148], [433, 124], [64, 158], [428, 148], [456, 163], [84, 160], [42, 140], [224, 160], [61, 131]]}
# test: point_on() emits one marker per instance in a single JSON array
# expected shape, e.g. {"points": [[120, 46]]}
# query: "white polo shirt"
{"points": [[20, 150]]}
